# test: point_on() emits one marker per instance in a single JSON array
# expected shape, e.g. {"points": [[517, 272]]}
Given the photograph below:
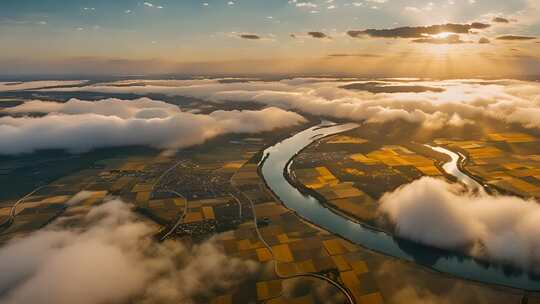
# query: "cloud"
{"points": [[484, 40], [31, 85], [449, 103], [296, 287], [361, 55], [80, 197], [319, 35], [419, 31], [450, 39], [307, 4], [500, 20], [111, 257], [481, 225], [250, 36], [151, 5], [418, 286], [80, 126], [138, 108], [515, 37], [382, 87]]}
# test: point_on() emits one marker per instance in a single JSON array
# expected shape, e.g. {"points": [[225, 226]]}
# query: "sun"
{"points": [[443, 35]]}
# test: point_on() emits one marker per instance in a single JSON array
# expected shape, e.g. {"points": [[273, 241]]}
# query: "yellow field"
{"points": [[56, 199], [234, 165], [142, 197], [341, 263], [208, 213], [133, 166], [394, 156], [192, 217], [342, 139], [283, 253], [306, 266], [359, 267], [268, 289], [264, 255], [142, 187], [355, 172], [270, 209], [515, 169], [485, 152], [180, 201], [361, 158], [334, 247], [511, 137]]}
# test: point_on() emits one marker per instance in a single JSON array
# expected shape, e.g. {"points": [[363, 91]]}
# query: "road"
{"points": [[345, 292], [180, 218], [13, 211]]}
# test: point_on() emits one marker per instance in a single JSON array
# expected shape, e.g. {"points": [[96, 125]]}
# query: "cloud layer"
{"points": [[448, 102], [30, 85], [503, 229], [111, 258], [80, 126]]}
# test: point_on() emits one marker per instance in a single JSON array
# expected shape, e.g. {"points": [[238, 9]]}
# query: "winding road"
{"points": [[180, 218], [13, 211], [344, 291]]}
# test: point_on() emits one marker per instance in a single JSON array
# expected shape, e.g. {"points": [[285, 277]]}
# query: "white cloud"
{"points": [[503, 229], [306, 4], [112, 258], [138, 108], [457, 102], [152, 5], [81, 126]]}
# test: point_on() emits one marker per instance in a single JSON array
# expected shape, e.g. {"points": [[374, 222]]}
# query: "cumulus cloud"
{"points": [[139, 108], [432, 104], [80, 126], [111, 258], [502, 229], [419, 31]]}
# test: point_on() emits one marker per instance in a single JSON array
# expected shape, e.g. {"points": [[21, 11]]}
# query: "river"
{"points": [[277, 160], [453, 167]]}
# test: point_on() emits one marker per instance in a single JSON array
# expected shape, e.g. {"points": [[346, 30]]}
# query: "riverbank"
{"points": [[277, 161]]}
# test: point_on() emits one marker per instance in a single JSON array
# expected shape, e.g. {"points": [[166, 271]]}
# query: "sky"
{"points": [[270, 37]]}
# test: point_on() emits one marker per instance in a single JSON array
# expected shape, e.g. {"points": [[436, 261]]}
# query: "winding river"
{"points": [[453, 167], [277, 160]]}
